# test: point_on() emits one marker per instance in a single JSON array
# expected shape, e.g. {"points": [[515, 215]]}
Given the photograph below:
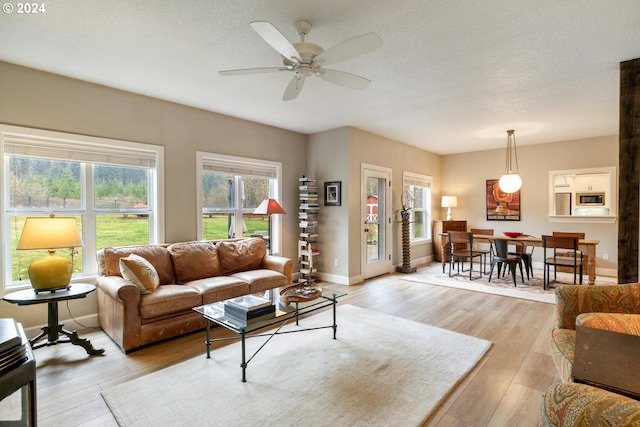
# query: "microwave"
{"points": [[590, 199]]}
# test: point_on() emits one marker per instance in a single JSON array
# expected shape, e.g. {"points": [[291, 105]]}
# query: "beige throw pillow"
{"points": [[140, 272]]}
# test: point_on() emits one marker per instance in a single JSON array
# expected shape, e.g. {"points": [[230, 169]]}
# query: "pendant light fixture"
{"points": [[510, 182]]}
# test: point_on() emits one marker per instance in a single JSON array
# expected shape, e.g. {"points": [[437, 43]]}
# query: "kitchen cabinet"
{"points": [[591, 183]]}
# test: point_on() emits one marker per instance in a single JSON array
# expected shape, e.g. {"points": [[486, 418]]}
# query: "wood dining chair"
{"points": [[573, 261], [461, 249], [502, 256], [486, 249]]}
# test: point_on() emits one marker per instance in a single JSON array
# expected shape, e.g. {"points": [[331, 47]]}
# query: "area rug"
{"points": [[532, 289], [381, 370]]}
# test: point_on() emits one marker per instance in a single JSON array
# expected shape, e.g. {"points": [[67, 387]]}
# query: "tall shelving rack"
{"points": [[308, 223]]}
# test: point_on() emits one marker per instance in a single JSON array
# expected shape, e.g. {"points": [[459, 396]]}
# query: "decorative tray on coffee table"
{"points": [[300, 293]]}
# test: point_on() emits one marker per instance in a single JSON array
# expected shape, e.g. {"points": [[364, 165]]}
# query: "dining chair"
{"points": [[485, 248], [461, 249], [525, 252], [502, 256], [573, 261]]}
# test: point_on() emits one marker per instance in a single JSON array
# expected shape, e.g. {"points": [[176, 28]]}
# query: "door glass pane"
{"points": [[375, 219]]}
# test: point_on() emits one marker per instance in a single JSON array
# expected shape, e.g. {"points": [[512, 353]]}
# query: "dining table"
{"points": [[588, 246]]}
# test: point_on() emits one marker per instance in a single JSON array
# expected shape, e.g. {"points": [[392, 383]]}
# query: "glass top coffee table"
{"points": [[215, 313]]}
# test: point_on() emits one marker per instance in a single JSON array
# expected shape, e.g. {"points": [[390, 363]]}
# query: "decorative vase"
{"points": [[406, 246]]}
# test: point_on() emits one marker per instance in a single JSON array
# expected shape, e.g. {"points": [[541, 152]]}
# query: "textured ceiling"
{"points": [[452, 76]]}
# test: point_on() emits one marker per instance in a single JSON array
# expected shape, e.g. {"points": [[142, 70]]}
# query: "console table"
{"points": [[54, 330]]}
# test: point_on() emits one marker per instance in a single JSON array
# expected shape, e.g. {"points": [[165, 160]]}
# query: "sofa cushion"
{"points": [[261, 280], [140, 272], [167, 300], [157, 255], [617, 322], [219, 288], [578, 405], [241, 255], [194, 260]]}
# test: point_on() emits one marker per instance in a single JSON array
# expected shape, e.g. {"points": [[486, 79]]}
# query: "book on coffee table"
{"points": [[230, 310], [249, 302]]}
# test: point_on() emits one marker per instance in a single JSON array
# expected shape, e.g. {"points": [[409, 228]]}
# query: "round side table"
{"points": [[54, 330]]}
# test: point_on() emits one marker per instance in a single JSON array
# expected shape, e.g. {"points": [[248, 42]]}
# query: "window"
{"points": [[109, 186], [418, 189], [231, 188]]}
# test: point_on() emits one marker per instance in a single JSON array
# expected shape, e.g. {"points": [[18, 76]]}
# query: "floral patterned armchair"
{"points": [[611, 307]]}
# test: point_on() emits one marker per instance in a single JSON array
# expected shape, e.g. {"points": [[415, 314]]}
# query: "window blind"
{"points": [[67, 150], [239, 167]]}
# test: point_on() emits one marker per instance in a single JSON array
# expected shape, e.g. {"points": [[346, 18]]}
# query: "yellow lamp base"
{"points": [[51, 273]]}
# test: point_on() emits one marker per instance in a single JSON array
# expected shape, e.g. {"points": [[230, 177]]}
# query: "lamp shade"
{"points": [[50, 233], [449, 201], [269, 207], [510, 182]]}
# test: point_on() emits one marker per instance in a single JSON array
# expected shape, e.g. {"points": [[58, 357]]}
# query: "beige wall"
{"points": [[464, 175], [37, 99], [337, 155]]}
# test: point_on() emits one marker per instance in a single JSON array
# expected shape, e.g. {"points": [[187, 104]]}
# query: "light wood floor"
{"points": [[504, 389]]}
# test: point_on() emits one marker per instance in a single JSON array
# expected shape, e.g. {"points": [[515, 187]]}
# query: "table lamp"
{"points": [[51, 233], [449, 202], [269, 207]]}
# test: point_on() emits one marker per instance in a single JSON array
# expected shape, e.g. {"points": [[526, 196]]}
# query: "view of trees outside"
{"points": [[219, 194], [40, 185]]}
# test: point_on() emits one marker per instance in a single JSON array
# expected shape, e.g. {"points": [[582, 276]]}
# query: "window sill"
{"points": [[583, 219]]}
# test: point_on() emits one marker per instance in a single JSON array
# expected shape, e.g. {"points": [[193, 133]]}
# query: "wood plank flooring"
{"points": [[504, 389]]}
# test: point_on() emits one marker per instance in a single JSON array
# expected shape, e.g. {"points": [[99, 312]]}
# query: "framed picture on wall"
{"points": [[333, 193], [502, 206]]}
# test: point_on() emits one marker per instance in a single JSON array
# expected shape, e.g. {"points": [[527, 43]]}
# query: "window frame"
{"points": [[241, 166], [413, 179], [88, 151]]}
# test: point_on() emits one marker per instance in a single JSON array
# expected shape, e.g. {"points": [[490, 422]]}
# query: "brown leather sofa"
{"points": [[190, 274]]}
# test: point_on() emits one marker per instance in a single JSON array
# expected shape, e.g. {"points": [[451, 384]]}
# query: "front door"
{"points": [[376, 217]]}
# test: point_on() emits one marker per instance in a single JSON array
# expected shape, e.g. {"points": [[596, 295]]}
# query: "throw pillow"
{"points": [[241, 255], [140, 272]]}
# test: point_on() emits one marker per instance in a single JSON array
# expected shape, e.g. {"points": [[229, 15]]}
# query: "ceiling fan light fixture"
{"points": [[510, 181], [307, 59]]}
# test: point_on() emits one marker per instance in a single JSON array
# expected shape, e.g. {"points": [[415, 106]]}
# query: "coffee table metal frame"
{"points": [[214, 313]]}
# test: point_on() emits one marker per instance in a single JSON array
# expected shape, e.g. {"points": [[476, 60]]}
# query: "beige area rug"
{"points": [[381, 371], [532, 289]]}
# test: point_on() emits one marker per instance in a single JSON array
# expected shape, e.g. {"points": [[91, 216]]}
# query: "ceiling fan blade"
{"points": [[349, 49], [293, 89], [343, 79], [276, 40], [262, 70]]}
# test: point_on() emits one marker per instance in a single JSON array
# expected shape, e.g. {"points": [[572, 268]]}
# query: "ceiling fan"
{"points": [[308, 59]]}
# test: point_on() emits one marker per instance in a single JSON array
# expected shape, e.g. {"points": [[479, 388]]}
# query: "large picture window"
{"points": [[109, 186], [230, 189], [418, 188]]}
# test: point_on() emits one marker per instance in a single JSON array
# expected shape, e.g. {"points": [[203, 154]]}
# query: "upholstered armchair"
{"points": [[610, 307]]}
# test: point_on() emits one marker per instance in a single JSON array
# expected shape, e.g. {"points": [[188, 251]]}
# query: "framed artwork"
{"points": [[502, 206], [333, 193]]}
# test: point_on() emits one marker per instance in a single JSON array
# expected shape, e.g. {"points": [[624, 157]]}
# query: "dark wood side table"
{"points": [[22, 377], [54, 330]]}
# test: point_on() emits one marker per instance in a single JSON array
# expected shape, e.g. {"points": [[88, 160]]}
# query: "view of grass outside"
{"points": [[118, 230]]}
